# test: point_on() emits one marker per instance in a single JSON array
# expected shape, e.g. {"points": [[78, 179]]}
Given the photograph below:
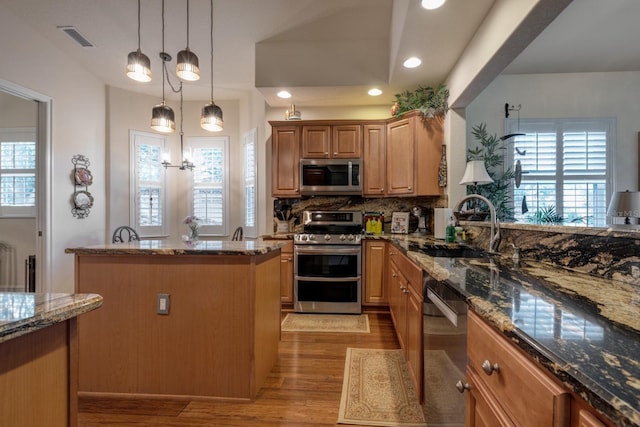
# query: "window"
{"points": [[565, 168], [250, 184], [148, 190], [210, 184], [18, 172]]}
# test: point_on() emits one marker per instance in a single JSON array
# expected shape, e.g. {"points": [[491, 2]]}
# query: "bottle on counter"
{"points": [[450, 231]]}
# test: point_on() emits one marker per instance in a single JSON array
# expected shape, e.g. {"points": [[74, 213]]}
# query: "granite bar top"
{"points": [[585, 330], [168, 247], [23, 313]]}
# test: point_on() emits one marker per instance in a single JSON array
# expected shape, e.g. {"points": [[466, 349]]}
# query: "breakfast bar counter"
{"points": [[180, 319]]}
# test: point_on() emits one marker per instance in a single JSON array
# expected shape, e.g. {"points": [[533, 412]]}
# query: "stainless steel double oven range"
{"points": [[327, 263]]}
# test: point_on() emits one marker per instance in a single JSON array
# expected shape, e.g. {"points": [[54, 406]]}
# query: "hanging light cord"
{"points": [[138, 26], [187, 24], [211, 51]]}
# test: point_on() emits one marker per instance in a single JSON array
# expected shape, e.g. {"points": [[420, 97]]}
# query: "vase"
{"points": [[192, 234]]}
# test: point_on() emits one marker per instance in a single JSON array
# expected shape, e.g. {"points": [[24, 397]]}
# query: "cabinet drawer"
{"points": [[524, 390]]}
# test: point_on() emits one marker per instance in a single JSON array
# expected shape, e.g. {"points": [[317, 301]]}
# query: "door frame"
{"points": [[43, 181]]}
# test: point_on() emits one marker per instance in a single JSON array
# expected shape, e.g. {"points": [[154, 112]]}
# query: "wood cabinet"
{"points": [[507, 388], [413, 152], [286, 273], [374, 159], [405, 304], [332, 141], [285, 158], [375, 258]]}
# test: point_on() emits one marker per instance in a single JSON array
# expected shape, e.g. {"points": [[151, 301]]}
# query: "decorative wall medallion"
{"points": [[81, 177]]}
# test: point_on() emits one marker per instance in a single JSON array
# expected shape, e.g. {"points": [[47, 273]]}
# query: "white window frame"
{"points": [[211, 142], [559, 125], [148, 138], [27, 134], [250, 179]]}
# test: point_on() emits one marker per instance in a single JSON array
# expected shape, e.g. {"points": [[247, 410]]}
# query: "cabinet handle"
{"points": [[335, 154], [405, 290], [409, 188], [462, 386], [394, 275], [488, 368], [382, 190]]}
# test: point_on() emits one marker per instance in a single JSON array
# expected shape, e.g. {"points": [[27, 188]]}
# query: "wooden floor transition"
{"points": [[303, 389]]}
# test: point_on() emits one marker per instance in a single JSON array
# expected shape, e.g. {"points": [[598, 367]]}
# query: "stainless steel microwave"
{"points": [[330, 177]]}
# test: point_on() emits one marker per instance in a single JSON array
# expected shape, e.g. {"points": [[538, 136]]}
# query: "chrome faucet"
{"points": [[494, 241]]}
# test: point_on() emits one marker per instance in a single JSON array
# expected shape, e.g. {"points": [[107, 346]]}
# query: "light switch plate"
{"points": [[163, 304]]}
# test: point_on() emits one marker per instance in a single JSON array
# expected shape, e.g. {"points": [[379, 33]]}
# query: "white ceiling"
{"points": [[327, 52]]}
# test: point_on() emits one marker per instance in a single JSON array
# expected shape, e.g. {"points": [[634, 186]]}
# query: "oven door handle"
{"points": [[444, 308], [327, 251], [328, 279]]}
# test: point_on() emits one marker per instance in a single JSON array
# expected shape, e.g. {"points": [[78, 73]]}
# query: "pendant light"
{"points": [[187, 67], [138, 64], [162, 116], [211, 118]]}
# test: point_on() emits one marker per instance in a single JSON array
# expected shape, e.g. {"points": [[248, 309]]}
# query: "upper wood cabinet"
{"points": [[285, 161], [374, 158], [413, 152], [332, 141]]}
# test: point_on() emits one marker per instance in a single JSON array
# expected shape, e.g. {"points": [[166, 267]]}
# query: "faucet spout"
{"points": [[494, 240]]}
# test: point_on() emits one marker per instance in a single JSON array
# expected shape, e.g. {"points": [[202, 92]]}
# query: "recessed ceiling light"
{"points": [[375, 92], [412, 62], [284, 94], [432, 4]]}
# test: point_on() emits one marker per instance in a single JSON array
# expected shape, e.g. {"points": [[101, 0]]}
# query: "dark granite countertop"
{"points": [[585, 330], [168, 247], [22, 313]]}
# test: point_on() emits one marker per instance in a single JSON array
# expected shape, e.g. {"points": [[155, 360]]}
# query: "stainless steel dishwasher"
{"points": [[445, 354]]}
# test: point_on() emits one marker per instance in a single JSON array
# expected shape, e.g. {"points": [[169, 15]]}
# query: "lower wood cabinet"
{"points": [[506, 387], [404, 282], [286, 273], [375, 259]]}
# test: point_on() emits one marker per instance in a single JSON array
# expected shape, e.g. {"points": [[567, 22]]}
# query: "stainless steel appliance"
{"points": [[330, 176], [327, 263], [445, 360]]}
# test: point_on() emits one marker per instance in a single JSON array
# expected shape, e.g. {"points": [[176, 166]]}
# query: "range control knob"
{"points": [[351, 237], [342, 237], [327, 237], [312, 237]]}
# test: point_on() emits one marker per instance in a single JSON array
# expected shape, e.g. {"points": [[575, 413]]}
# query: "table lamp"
{"points": [[625, 204]]}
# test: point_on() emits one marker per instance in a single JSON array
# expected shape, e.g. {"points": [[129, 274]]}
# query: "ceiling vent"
{"points": [[75, 35]]}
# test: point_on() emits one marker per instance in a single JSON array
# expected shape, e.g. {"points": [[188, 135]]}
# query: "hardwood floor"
{"points": [[303, 389]]}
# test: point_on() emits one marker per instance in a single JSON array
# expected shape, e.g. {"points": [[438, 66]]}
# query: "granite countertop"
{"points": [[168, 247], [22, 313], [583, 329]]}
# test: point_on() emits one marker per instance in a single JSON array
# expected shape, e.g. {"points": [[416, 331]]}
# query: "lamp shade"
{"points": [[475, 174], [163, 119], [211, 118], [138, 66], [187, 67], [625, 204]]}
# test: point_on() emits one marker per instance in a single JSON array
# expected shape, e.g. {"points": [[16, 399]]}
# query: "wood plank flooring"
{"points": [[303, 389]]}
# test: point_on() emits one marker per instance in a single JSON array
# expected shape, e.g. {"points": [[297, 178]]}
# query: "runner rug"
{"points": [[297, 322], [377, 390]]}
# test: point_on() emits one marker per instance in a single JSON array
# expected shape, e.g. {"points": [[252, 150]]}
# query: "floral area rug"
{"points": [[377, 390], [444, 405], [311, 322]]}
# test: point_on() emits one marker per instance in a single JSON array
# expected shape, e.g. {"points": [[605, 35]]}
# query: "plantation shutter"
{"points": [[250, 193], [17, 172]]}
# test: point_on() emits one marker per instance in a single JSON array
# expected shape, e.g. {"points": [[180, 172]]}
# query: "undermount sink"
{"points": [[451, 252]]}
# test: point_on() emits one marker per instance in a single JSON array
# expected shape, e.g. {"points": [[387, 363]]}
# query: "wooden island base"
{"points": [[219, 340]]}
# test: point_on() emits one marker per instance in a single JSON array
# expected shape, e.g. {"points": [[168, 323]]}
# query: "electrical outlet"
{"points": [[163, 304]]}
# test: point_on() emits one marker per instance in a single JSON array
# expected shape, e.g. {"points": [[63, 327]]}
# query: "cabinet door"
{"points": [[285, 172], [586, 419], [397, 301], [400, 157], [414, 343], [374, 159], [346, 141], [375, 255], [316, 142], [482, 408], [286, 273]]}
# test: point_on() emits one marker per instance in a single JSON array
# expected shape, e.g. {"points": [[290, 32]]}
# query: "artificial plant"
{"points": [[491, 150], [429, 101]]}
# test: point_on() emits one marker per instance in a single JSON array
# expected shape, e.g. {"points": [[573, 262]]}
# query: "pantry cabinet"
{"points": [[413, 152], [506, 387], [404, 282], [285, 161], [332, 141], [375, 256]]}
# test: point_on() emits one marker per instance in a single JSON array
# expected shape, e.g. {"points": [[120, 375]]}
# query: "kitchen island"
{"points": [[193, 320], [38, 357]]}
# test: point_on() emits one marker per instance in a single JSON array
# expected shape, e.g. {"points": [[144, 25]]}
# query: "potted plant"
{"points": [[429, 101], [490, 149]]}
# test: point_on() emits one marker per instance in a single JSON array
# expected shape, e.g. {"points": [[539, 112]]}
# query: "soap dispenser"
{"points": [[450, 231]]}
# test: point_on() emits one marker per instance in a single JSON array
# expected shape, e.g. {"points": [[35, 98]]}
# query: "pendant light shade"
{"points": [[138, 64], [187, 67], [476, 174], [163, 118], [211, 118]]}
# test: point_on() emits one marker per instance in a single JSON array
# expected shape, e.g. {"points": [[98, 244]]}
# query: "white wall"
{"points": [[566, 96], [78, 127]]}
